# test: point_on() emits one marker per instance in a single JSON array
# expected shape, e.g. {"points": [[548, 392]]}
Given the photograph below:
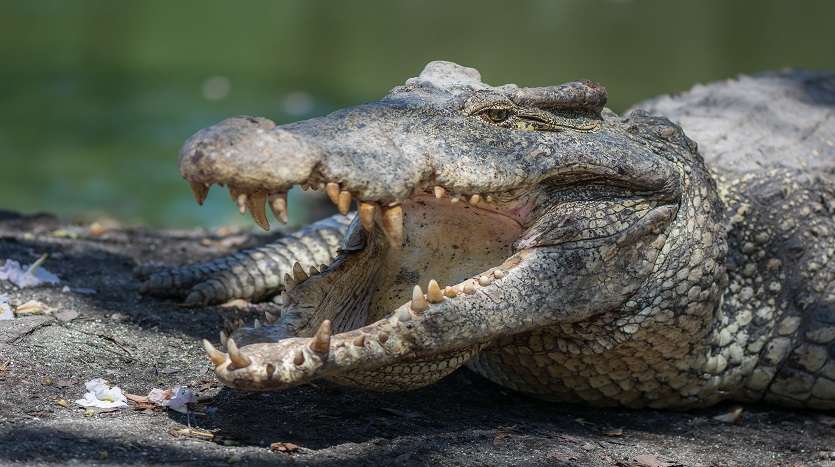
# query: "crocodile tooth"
{"points": [[455, 199], [359, 341], [312, 271], [298, 273], [281, 299], [344, 202], [270, 317], [418, 301], [366, 212], [241, 201], [489, 198], [393, 224], [321, 341], [298, 359], [270, 369], [238, 359], [484, 281], [498, 273], [256, 203], [216, 356], [200, 190], [469, 289], [278, 204], [256, 324], [223, 338], [332, 189], [475, 199], [433, 292], [439, 192], [233, 193], [450, 292], [403, 315]]}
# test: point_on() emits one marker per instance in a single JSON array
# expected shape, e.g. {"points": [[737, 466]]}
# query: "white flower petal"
{"points": [[101, 395]]}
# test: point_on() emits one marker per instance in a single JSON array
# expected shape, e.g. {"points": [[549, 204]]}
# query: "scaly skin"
{"points": [[252, 274], [585, 256]]}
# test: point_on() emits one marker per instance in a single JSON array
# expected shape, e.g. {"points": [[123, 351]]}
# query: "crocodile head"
{"points": [[483, 212]]}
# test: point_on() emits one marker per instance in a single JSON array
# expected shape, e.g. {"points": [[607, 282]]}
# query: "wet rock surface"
{"points": [[100, 326]]}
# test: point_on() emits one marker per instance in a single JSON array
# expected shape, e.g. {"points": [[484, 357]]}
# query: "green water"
{"points": [[97, 96]]}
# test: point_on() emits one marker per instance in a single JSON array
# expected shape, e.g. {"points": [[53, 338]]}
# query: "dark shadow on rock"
{"points": [[463, 401], [56, 445], [323, 415]]}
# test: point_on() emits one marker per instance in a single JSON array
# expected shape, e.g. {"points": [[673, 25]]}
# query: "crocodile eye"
{"points": [[497, 115]]}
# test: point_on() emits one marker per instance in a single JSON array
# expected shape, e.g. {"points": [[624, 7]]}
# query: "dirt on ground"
{"points": [[95, 324]]}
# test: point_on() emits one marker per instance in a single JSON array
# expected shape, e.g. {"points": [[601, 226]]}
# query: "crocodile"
{"points": [[540, 239]]}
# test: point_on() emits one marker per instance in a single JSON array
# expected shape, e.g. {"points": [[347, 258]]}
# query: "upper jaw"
{"points": [[260, 162], [384, 153]]}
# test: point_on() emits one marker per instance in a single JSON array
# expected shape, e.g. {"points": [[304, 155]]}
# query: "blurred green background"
{"points": [[97, 96]]}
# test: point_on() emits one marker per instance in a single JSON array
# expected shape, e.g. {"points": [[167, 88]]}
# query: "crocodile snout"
{"points": [[241, 152]]}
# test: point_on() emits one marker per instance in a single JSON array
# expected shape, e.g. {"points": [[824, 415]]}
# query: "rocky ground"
{"points": [[100, 326]]}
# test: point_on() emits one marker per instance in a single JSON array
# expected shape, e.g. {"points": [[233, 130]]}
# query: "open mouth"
{"points": [[399, 263]]}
